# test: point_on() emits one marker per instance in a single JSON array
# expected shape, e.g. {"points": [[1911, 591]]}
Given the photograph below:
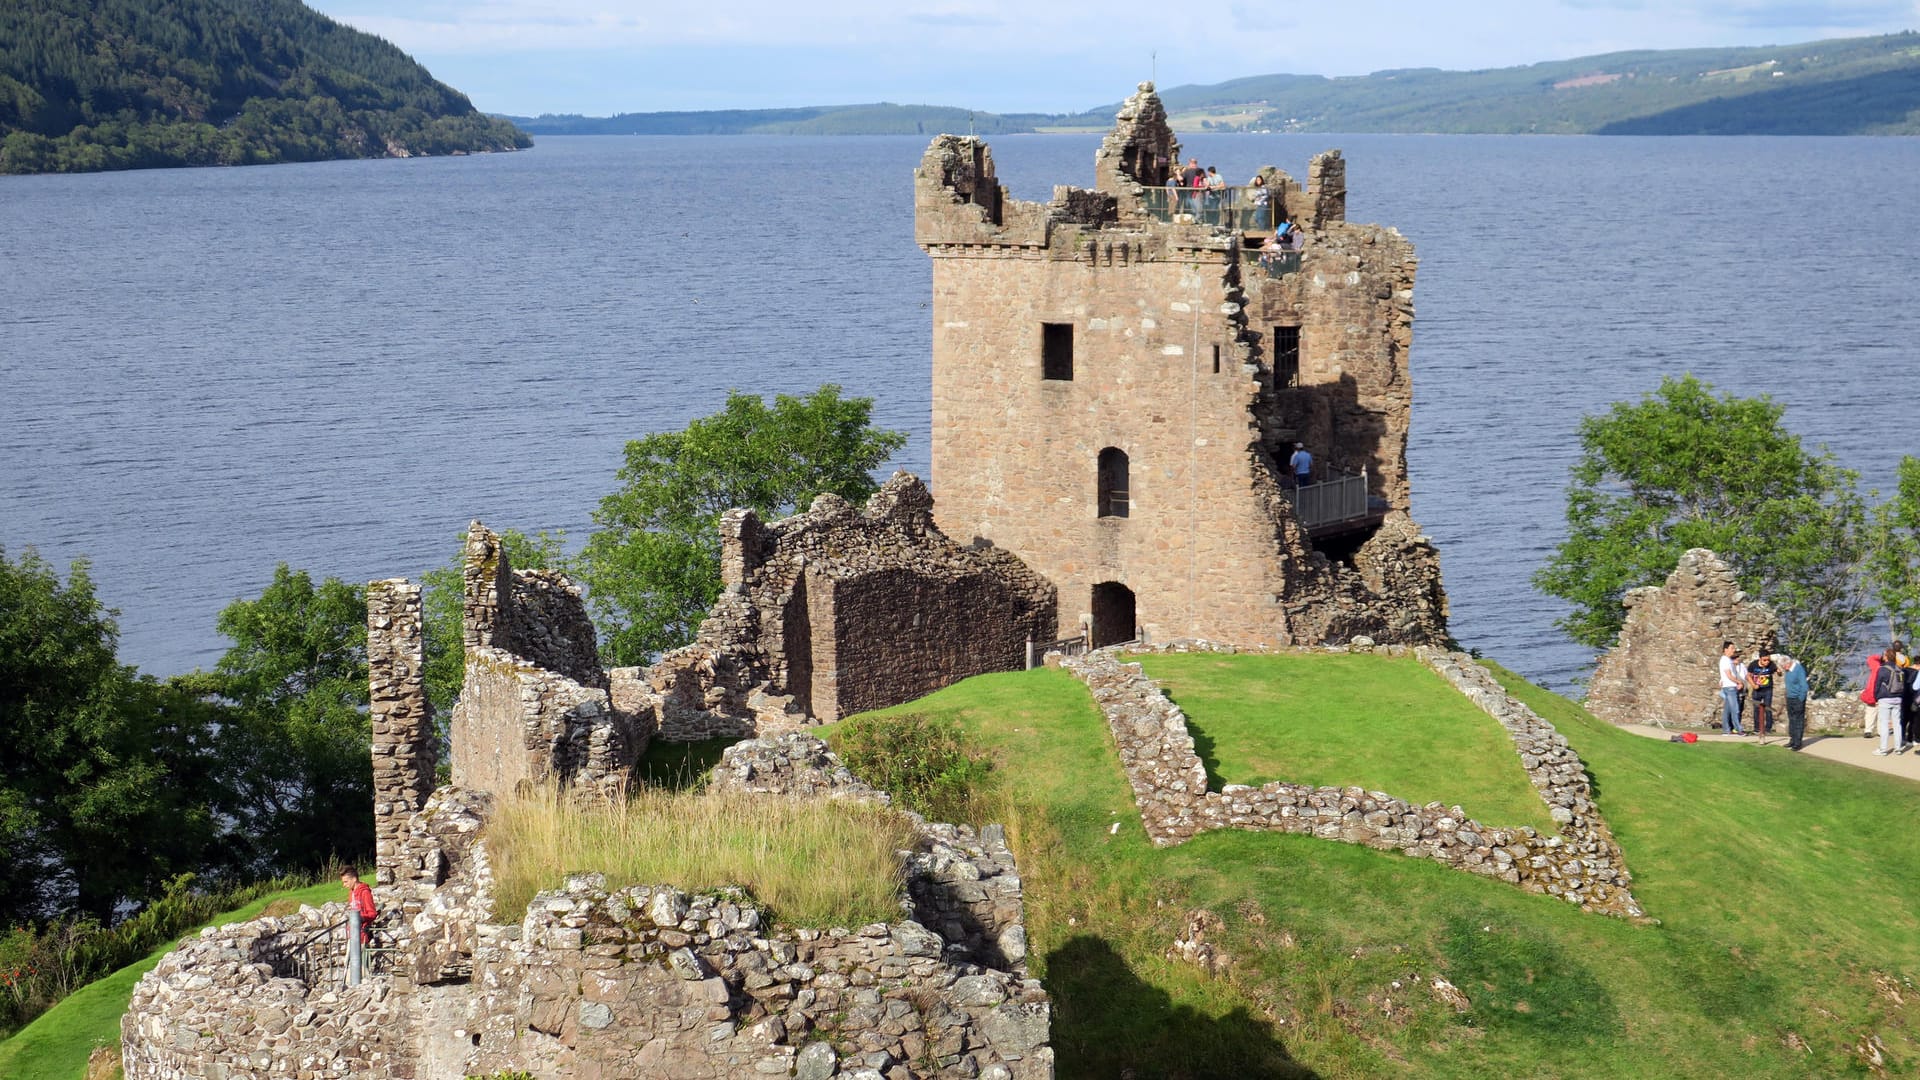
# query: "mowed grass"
{"points": [[812, 863], [55, 1046], [1783, 889], [1382, 723]]}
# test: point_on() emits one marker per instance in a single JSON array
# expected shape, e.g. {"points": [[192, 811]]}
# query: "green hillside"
{"points": [[1849, 86], [87, 85], [1779, 884], [882, 118]]}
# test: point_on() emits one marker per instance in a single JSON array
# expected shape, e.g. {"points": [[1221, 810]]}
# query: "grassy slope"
{"points": [[55, 1046], [1384, 724], [1781, 885]]}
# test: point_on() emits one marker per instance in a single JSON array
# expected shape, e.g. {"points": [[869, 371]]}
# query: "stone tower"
{"points": [[1119, 377]]}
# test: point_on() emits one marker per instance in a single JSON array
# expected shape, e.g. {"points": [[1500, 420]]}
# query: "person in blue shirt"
{"points": [[1793, 682], [1302, 463]]}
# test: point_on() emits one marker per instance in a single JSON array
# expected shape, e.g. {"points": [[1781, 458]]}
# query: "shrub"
{"points": [[928, 764], [41, 963], [810, 863]]}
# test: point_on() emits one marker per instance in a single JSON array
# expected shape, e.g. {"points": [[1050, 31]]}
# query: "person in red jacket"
{"points": [[360, 899]]}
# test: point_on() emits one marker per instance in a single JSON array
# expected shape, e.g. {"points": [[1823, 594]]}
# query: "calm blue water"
{"points": [[337, 365]]}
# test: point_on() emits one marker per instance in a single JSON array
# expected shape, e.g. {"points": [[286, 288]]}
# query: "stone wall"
{"points": [[535, 706], [1172, 364], [1665, 670], [405, 747], [637, 982], [1580, 863], [836, 611]]}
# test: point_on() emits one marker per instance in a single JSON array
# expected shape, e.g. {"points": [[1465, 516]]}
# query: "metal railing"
{"points": [[1340, 499], [1239, 208], [333, 956], [1275, 263], [1068, 646]]}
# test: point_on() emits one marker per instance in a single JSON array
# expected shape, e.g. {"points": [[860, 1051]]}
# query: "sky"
{"points": [[600, 57]]}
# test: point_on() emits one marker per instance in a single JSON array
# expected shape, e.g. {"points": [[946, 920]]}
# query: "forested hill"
{"points": [[1849, 86], [130, 84]]}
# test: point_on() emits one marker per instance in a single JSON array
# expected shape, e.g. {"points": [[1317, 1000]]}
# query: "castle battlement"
{"points": [[1121, 375]]}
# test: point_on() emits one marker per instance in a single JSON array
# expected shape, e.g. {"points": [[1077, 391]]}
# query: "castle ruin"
{"points": [[1120, 376]]}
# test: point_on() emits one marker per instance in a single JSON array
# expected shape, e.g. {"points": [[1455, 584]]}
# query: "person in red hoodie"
{"points": [[359, 902]]}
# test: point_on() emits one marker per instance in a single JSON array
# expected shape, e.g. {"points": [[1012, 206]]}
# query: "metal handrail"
{"points": [[1342, 498], [1233, 207], [1068, 646]]}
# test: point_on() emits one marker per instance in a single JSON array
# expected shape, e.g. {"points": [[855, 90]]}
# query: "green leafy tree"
{"points": [[106, 778], [443, 608], [1894, 563], [294, 684], [653, 568], [1684, 468]]}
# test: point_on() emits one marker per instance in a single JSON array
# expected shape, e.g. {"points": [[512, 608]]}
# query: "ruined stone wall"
{"points": [[1172, 365], [1666, 668], [1581, 863], [535, 705], [835, 611], [1352, 301], [637, 982], [405, 748]]}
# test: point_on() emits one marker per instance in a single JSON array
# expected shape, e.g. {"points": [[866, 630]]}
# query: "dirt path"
{"points": [[1848, 748]]}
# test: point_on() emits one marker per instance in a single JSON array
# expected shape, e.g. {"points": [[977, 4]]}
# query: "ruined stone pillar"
{"points": [[739, 547], [1327, 181], [405, 751], [488, 587]]}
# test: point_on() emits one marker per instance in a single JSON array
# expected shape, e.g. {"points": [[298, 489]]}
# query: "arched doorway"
{"points": [[1113, 620], [1115, 499]]}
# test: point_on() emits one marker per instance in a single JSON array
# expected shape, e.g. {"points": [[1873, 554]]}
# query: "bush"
{"points": [[928, 764], [40, 964]]}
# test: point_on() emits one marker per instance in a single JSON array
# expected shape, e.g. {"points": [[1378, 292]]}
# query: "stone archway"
{"points": [[1113, 614]]}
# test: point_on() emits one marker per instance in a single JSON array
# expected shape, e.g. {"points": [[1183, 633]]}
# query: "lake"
{"points": [[209, 371]]}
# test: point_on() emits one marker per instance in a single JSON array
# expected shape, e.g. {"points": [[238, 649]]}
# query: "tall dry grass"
{"points": [[810, 863]]}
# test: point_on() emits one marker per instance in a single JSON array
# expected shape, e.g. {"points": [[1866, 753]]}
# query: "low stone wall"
{"points": [[655, 982], [961, 882], [1580, 864], [222, 1005], [641, 982]]}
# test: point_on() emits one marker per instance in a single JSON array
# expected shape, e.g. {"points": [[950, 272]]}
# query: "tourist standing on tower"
{"points": [[1302, 464]]}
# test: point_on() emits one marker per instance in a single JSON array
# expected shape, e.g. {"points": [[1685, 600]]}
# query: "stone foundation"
{"points": [[1580, 864]]}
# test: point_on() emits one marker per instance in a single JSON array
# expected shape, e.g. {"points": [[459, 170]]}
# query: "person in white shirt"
{"points": [[1732, 681]]}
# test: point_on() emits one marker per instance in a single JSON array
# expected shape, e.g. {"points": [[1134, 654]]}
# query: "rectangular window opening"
{"points": [[1056, 351], [1216, 359], [1286, 357]]}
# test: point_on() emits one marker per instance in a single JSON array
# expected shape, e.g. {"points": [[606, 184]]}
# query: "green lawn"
{"points": [[1781, 886], [55, 1046], [1381, 723]]}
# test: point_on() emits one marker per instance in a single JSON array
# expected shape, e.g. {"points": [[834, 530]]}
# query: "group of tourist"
{"points": [[1203, 192], [1753, 682], [1889, 696]]}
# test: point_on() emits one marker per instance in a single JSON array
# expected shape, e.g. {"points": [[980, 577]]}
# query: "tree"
{"points": [[1684, 468], [296, 739], [443, 610], [1894, 563], [653, 568], [106, 779]]}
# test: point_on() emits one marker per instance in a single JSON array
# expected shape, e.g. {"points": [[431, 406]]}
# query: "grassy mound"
{"points": [[55, 1046], [1381, 723], [1781, 883], [810, 863]]}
